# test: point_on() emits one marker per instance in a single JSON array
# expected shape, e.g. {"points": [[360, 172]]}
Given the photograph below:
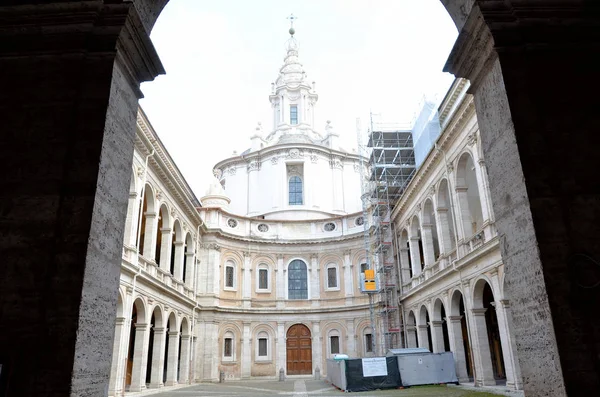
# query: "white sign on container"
{"points": [[375, 366]]}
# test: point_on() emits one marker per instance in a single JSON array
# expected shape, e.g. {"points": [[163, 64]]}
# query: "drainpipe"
{"points": [[467, 317]]}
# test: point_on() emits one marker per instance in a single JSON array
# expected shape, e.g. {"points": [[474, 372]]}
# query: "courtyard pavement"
{"points": [[307, 388]]}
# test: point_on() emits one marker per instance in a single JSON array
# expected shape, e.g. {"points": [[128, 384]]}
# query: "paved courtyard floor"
{"points": [[308, 388]]}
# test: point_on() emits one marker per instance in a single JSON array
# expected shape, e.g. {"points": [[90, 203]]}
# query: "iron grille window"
{"points": [[229, 276], [263, 279], [369, 343], [297, 280], [335, 344], [363, 267], [332, 277], [262, 347], [228, 347], [293, 114], [295, 190]]}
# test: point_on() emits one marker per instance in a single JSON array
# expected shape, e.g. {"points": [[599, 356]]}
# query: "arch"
{"points": [[487, 324], [424, 329], [188, 259], [297, 280], [154, 344], [120, 304], [446, 217], [230, 275], [147, 215], [440, 323], [298, 350], [411, 330], [163, 240], [416, 245], [185, 327], [263, 277], [177, 249], [171, 349], [430, 233], [334, 342], [405, 256], [461, 340], [135, 358], [263, 335], [469, 196]]}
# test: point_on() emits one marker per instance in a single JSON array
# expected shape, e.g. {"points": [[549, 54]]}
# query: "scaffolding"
{"points": [[391, 165]]}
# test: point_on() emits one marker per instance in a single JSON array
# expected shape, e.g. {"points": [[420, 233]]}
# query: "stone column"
{"points": [[210, 354], [437, 336], [427, 236], [445, 223], [173, 358], [246, 351], [190, 266], [411, 336], [166, 243], [281, 347], [158, 358], [140, 356], [184, 360], [280, 289], [457, 347], [404, 265], [317, 348], [348, 279], [116, 376], [150, 234], [415, 255], [315, 280], [423, 338], [131, 222], [178, 266], [481, 349]]}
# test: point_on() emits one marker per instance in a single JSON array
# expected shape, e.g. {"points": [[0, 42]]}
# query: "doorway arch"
{"points": [[298, 350]]}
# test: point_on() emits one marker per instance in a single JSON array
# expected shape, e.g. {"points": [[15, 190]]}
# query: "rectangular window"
{"points": [[293, 114], [332, 277], [228, 348], [335, 344], [263, 279], [229, 276], [363, 267], [262, 347], [369, 343]]}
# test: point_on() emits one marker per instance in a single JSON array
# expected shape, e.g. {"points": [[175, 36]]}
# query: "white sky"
{"points": [[221, 57]]}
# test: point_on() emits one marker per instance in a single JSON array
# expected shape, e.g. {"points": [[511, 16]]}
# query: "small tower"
{"points": [[215, 196], [293, 97]]}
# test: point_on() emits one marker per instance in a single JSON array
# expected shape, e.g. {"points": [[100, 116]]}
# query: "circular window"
{"points": [[263, 228], [359, 221], [232, 223], [329, 227]]}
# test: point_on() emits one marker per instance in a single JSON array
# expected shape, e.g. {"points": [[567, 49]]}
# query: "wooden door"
{"points": [[299, 350]]}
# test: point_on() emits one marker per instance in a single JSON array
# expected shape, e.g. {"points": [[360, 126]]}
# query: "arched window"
{"points": [[263, 348], [295, 190], [230, 278], [228, 346], [297, 280], [332, 277], [262, 279], [334, 342]]}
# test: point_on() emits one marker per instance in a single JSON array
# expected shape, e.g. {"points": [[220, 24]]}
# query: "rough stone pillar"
{"points": [[481, 349], [166, 244], [179, 255], [317, 347], [546, 217], [443, 217], [184, 360], [116, 381], [437, 336], [415, 255], [457, 347], [246, 351], [428, 251], [281, 348], [411, 336], [140, 357], [173, 358], [423, 338], [158, 358]]}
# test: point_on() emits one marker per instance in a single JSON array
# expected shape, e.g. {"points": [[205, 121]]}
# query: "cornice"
{"points": [[255, 240]]}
